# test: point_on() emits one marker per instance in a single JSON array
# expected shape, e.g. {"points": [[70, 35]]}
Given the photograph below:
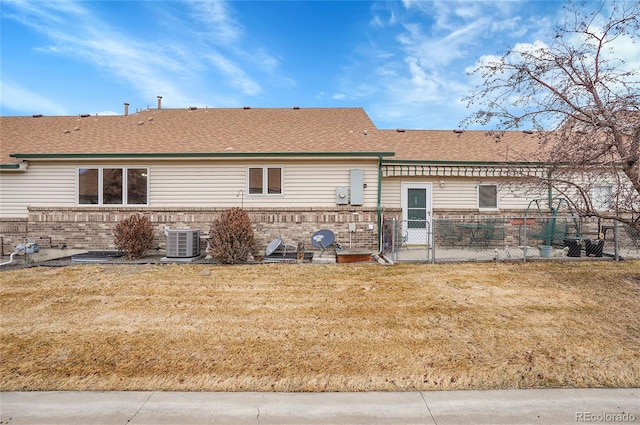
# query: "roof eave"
{"points": [[199, 155]]}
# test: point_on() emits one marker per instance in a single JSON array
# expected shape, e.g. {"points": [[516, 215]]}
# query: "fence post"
{"points": [[394, 239], [433, 241], [616, 241], [526, 242]]}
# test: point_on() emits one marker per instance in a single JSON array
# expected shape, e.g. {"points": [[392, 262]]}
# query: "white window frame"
{"points": [[601, 197], [265, 180], [497, 206], [101, 169]]}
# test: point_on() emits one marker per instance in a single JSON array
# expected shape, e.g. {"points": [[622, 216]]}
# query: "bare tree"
{"points": [[583, 102]]}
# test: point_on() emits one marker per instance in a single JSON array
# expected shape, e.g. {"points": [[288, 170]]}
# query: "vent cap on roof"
{"points": [[85, 115], [246, 107], [458, 131], [37, 115], [400, 130], [193, 108]]}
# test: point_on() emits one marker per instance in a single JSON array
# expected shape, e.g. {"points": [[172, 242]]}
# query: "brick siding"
{"points": [[90, 228]]}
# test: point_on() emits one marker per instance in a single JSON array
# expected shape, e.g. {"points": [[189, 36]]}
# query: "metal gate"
{"points": [[399, 247]]}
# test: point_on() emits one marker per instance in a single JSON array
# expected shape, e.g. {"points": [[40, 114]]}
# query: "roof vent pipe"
{"points": [[126, 109], [159, 102]]}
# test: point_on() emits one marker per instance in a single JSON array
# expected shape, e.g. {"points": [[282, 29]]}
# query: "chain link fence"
{"points": [[507, 238]]}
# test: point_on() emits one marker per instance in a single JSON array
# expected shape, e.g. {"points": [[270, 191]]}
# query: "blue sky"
{"points": [[405, 62]]}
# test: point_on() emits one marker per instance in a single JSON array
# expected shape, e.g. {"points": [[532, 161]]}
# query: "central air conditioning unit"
{"points": [[183, 243]]}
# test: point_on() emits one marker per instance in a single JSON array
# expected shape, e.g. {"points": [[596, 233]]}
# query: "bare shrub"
{"points": [[231, 236], [134, 235]]}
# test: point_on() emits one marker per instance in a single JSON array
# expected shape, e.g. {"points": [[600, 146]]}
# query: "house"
{"points": [[70, 179]]}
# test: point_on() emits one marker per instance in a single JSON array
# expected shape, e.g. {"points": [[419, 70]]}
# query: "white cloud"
{"points": [[236, 75], [383, 16], [513, 27], [386, 71], [18, 98], [221, 28], [425, 76], [176, 67], [78, 34], [624, 49]]}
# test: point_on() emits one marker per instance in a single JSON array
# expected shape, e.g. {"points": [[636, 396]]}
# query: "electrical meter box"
{"points": [[342, 195]]}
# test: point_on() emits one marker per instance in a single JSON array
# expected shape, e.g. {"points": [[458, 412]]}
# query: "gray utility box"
{"points": [[342, 195], [357, 186]]}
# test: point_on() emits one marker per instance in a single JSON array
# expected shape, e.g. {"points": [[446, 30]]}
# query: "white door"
{"points": [[416, 213]]}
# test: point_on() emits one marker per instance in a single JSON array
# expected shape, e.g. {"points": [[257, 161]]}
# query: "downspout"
{"points": [[379, 205]]}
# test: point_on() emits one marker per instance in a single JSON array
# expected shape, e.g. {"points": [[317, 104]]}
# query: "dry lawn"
{"points": [[321, 327]]}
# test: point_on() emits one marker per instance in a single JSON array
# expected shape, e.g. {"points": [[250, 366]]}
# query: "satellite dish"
{"points": [[322, 239], [273, 245]]}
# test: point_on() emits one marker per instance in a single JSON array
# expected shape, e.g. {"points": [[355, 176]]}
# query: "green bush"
{"points": [[231, 236], [134, 235]]}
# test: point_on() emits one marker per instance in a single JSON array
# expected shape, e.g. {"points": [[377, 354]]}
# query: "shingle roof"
{"points": [[250, 131], [467, 146], [191, 131]]}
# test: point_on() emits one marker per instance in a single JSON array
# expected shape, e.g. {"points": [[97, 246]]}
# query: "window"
{"points": [[602, 198], [113, 186], [265, 180], [137, 186], [488, 196], [88, 186]]}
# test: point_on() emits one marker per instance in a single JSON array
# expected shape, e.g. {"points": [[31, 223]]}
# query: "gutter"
{"points": [[21, 166], [197, 155]]}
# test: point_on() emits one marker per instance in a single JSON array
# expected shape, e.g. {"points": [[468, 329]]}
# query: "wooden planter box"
{"points": [[353, 256]]}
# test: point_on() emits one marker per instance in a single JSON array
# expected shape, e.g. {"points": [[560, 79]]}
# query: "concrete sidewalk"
{"points": [[545, 406]]}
